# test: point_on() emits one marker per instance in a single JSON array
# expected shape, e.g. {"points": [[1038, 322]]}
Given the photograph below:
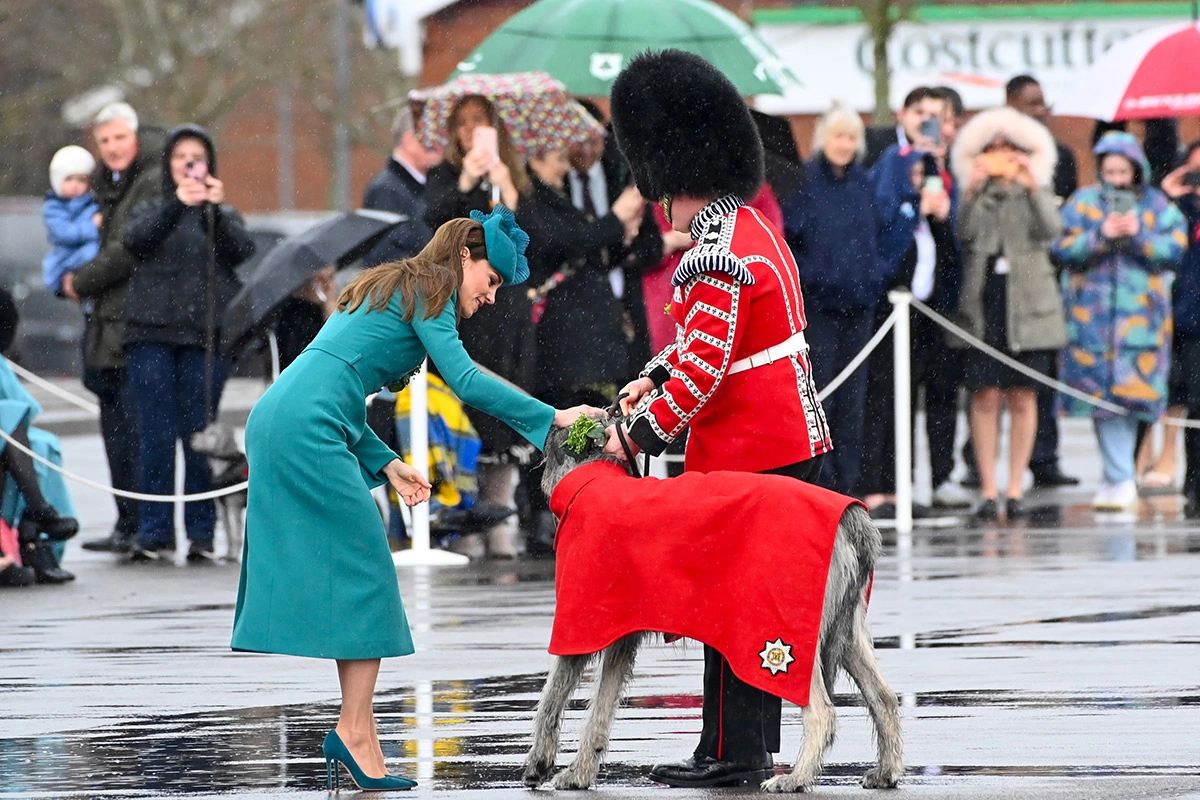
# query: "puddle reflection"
{"points": [[447, 735]]}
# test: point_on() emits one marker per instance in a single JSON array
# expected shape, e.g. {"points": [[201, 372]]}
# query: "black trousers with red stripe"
{"points": [[741, 723]]}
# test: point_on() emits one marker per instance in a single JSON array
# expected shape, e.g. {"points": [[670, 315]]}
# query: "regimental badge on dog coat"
{"points": [[776, 656], [697, 556]]}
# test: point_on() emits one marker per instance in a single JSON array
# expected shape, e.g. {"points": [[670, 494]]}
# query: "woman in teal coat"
{"points": [[317, 574]]}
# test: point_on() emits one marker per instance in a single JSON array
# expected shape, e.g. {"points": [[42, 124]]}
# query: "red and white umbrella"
{"points": [[1155, 73]]}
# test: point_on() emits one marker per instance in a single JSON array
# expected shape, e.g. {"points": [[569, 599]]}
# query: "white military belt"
{"points": [[789, 347]]}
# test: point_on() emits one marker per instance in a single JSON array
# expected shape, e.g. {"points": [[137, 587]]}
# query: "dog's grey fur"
{"points": [[845, 643], [225, 458]]}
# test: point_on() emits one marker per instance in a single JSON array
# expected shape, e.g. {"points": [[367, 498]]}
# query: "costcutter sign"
{"points": [[976, 57]]}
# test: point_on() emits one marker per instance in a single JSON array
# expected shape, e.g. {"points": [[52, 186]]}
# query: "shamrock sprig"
{"points": [[399, 385], [583, 431]]}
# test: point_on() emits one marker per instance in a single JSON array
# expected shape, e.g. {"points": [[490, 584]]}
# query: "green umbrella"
{"points": [[585, 43]]}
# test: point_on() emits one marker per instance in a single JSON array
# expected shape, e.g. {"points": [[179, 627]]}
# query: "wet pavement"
{"points": [[1055, 659]]}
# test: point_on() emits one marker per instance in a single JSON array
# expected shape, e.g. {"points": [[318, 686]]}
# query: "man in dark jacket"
{"points": [[127, 177], [598, 176], [921, 104], [400, 188], [1025, 94], [919, 247]]}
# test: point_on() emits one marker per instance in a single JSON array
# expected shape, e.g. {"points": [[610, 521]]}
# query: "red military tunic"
{"points": [[737, 293]]}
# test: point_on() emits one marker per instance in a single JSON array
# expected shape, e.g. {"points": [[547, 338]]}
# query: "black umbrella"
{"points": [[287, 265], [785, 171]]}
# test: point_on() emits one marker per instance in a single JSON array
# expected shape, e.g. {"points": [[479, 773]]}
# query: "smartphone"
{"points": [[1122, 201], [196, 170], [935, 183], [999, 165], [1191, 179], [485, 139], [931, 129]]}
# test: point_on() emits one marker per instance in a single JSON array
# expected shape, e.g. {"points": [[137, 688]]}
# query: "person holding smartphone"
{"points": [[1007, 221], [185, 246], [917, 244], [922, 104], [1122, 240], [480, 165]]}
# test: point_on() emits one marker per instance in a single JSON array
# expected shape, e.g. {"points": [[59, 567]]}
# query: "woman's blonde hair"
{"points": [[434, 274], [508, 153], [839, 117]]}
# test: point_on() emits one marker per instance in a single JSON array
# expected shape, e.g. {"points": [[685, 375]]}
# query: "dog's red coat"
{"points": [[735, 560]]}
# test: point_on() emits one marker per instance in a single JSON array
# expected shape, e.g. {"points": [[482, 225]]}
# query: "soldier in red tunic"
{"points": [[738, 376]]}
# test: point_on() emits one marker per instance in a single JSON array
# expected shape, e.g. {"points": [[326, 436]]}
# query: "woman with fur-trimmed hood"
{"points": [[1122, 240], [1007, 221]]}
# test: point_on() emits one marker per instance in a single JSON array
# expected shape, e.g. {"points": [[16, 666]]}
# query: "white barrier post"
{"points": [[421, 554], [901, 352]]}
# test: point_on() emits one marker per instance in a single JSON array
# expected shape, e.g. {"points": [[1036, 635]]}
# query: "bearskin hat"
{"points": [[684, 128]]}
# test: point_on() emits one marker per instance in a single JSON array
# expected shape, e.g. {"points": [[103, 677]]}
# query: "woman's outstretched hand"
{"points": [[408, 482], [565, 417]]}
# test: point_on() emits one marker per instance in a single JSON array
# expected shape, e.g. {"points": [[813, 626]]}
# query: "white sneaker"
{"points": [[951, 495], [1116, 497], [1125, 496]]}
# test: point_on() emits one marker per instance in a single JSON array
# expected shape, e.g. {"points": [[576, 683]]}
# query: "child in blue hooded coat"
{"points": [[70, 214]]}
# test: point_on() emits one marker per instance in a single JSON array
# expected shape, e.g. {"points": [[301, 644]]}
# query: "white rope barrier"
{"points": [[1034, 374], [151, 498], [42, 383], [900, 300], [862, 356]]}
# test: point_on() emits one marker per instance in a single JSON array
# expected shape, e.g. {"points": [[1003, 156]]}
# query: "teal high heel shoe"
{"points": [[337, 753]]}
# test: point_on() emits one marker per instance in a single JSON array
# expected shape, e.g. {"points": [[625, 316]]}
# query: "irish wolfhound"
{"points": [[844, 643]]}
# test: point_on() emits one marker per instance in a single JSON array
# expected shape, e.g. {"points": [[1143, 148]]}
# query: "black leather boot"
{"points": [[16, 575], [702, 771], [39, 556], [1051, 476], [48, 521], [116, 542]]}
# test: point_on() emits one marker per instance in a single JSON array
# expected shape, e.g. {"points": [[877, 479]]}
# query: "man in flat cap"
{"points": [[738, 375]]}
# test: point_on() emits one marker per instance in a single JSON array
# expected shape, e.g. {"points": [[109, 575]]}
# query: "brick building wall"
{"points": [[248, 141]]}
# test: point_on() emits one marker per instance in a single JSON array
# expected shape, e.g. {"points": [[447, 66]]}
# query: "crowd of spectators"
{"points": [[981, 219], [967, 215], [144, 242]]}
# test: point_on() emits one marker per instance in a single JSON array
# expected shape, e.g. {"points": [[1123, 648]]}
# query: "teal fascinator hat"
{"points": [[506, 243]]}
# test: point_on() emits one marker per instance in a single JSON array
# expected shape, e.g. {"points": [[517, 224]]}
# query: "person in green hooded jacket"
{"points": [[317, 574]]}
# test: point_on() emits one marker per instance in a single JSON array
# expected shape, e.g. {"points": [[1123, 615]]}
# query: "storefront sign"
{"points": [[976, 57]]}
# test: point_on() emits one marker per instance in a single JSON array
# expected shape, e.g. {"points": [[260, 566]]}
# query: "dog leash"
{"points": [[630, 459]]}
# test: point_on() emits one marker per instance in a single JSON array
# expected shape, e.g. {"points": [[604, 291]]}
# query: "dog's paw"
{"points": [[536, 772], [787, 782], [572, 779], [881, 778]]}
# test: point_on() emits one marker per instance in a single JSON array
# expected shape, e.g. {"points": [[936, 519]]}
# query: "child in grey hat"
{"points": [[71, 216]]}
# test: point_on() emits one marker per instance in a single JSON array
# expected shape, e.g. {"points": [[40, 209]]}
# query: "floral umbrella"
{"points": [[536, 109]]}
